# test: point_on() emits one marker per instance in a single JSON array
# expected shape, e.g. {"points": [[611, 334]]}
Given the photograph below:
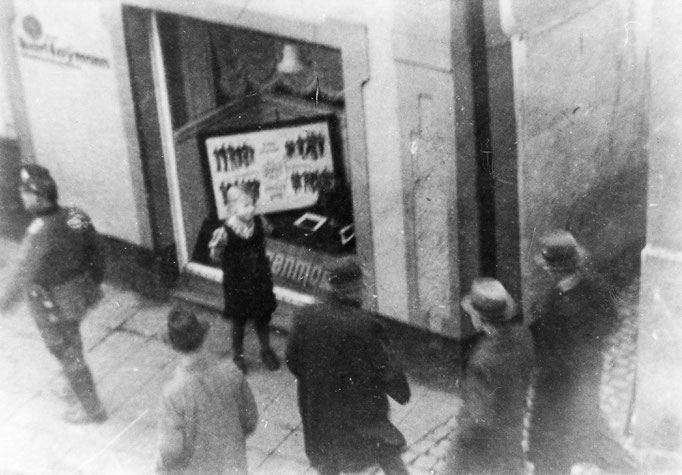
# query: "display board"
{"points": [[285, 164]]}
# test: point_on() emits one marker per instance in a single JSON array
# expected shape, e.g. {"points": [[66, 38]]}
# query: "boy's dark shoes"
{"points": [[79, 416], [270, 359], [239, 361]]}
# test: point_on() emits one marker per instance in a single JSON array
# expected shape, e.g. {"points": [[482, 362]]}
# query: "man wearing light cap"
{"points": [[60, 269], [572, 322], [494, 387]]}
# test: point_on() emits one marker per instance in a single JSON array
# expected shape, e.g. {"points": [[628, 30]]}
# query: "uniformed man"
{"points": [[60, 269]]}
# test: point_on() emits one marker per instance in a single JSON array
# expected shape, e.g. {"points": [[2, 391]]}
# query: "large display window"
{"points": [[294, 171], [268, 112]]}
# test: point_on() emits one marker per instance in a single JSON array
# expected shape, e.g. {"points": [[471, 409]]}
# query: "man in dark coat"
{"points": [[60, 268], [573, 321], [339, 355], [494, 388]]}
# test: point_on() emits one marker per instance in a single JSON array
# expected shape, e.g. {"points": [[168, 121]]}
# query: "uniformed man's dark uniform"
{"points": [[60, 268]]}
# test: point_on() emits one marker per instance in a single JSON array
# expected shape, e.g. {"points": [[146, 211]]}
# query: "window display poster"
{"points": [[284, 166]]}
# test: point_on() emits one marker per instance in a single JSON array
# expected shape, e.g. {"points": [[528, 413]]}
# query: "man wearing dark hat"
{"points": [[339, 356], [207, 409], [494, 387], [572, 322], [60, 267]]}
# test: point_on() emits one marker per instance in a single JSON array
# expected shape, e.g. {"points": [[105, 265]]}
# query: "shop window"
{"points": [[234, 93]]}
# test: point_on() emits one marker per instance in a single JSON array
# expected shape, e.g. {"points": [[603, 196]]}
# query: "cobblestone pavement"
{"points": [[617, 388], [620, 364], [130, 362]]}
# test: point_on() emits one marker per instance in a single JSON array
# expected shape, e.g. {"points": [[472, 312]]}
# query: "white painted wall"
{"points": [[75, 114]]}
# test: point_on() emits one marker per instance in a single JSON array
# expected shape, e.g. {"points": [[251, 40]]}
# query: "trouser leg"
{"points": [[263, 332], [80, 378], [63, 340], [268, 356], [238, 345], [393, 464]]}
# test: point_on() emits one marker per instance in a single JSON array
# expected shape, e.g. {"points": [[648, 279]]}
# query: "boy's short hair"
{"points": [[185, 332]]}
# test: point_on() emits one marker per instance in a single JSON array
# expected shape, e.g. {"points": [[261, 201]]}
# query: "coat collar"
{"points": [[194, 362]]}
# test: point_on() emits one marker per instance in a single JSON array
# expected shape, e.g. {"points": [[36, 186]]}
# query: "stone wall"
{"points": [[579, 79], [658, 416]]}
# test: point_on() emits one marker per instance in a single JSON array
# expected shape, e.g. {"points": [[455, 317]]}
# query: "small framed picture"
{"points": [[347, 233], [310, 222]]}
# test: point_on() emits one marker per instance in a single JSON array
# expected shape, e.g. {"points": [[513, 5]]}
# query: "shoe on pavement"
{"points": [[270, 359], [239, 361], [79, 416]]}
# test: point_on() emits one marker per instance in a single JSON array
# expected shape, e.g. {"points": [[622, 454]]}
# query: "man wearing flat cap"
{"points": [[494, 387], [572, 323], [207, 409], [60, 269], [339, 355]]}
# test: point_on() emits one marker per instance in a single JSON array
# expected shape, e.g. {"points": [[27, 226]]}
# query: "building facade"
{"points": [[458, 131], [115, 98], [455, 131]]}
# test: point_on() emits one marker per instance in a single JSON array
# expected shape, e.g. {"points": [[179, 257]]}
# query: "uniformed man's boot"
{"points": [[90, 409]]}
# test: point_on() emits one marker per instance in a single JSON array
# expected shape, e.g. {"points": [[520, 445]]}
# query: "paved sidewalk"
{"points": [[130, 363]]}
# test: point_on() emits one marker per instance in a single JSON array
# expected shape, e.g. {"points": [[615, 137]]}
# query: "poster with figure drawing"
{"points": [[285, 166]]}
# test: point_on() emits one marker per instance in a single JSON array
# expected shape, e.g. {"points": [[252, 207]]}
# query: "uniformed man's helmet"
{"points": [[37, 179]]}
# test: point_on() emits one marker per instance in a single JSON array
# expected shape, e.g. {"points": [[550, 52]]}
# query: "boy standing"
{"points": [[239, 245], [207, 409]]}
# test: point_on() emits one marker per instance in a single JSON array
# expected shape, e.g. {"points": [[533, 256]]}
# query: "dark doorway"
{"points": [[485, 180]]}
